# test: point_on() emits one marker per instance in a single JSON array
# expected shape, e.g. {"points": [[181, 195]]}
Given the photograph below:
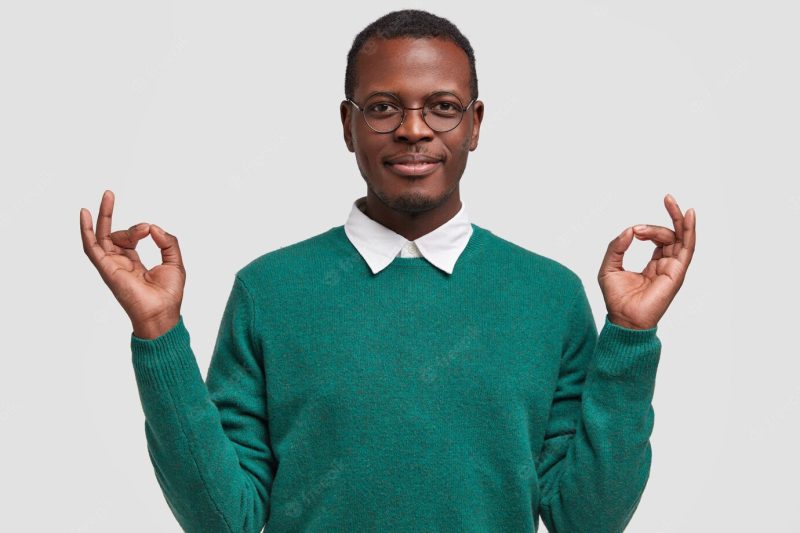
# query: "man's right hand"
{"points": [[151, 298]]}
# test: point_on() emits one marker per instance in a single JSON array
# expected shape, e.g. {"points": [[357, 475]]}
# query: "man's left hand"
{"points": [[637, 300]]}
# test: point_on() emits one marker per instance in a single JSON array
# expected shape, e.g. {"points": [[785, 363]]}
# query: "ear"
{"points": [[346, 111], [477, 118]]}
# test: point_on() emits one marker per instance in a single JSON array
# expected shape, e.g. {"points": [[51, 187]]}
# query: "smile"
{"points": [[414, 169]]}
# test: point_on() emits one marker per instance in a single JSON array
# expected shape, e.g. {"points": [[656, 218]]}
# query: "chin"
{"points": [[413, 201]]}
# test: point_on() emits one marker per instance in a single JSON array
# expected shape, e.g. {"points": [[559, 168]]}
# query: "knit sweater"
{"points": [[408, 400]]}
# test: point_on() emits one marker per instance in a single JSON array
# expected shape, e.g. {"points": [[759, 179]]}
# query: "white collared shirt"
{"points": [[379, 245]]}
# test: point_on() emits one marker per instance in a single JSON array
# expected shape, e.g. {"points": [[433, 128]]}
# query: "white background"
{"points": [[221, 124]]}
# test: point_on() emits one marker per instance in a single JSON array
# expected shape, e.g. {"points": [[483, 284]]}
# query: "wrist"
{"points": [[153, 328], [623, 323]]}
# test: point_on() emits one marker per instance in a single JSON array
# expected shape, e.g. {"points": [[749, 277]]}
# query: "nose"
{"points": [[414, 128]]}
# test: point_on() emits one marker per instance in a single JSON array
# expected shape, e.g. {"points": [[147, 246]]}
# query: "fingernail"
{"points": [[640, 227]]}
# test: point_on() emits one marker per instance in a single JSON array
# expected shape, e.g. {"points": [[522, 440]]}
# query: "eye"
{"points": [[445, 108], [382, 108]]}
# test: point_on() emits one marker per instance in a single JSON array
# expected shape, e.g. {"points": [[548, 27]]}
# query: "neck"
{"points": [[412, 225]]}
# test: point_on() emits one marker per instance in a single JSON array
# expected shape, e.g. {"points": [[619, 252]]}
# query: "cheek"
{"points": [[367, 156], [363, 144], [465, 144], [462, 148]]}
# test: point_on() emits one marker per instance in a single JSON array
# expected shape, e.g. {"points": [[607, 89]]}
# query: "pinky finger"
{"points": [[90, 245]]}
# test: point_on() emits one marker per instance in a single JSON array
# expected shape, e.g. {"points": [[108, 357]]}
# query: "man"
{"points": [[408, 370]]}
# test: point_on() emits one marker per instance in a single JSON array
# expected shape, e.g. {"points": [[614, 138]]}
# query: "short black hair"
{"points": [[413, 23]]}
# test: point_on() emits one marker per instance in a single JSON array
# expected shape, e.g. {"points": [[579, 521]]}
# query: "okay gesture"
{"points": [[637, 300]]}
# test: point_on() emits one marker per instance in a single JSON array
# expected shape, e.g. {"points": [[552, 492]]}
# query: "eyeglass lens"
{"points": [[442, 112]]}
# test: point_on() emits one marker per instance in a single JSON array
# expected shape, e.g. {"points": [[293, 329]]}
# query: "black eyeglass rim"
{"points": [[404, 108]]}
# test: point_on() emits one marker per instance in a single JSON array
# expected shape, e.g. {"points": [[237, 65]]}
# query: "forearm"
{"points": [[599, 482], [195, 462]]}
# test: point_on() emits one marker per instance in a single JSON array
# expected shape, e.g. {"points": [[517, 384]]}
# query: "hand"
{"points": [[638, 300], [151, 298]]}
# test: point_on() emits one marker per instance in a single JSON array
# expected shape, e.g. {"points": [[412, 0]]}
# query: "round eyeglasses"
{"points": [[383, 112]]}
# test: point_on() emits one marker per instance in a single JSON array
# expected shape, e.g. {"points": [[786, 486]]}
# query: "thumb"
{"points": [[168, 243], [612, 262]]}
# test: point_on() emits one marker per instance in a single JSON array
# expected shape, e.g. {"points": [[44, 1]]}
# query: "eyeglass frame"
{"points": [[403, 118]]}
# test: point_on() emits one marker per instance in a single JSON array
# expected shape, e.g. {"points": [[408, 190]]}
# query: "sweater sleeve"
{"points": [[208, 442], [595, 460]]}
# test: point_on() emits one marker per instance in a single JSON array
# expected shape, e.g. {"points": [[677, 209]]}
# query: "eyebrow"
{"points": [[452, 91]]}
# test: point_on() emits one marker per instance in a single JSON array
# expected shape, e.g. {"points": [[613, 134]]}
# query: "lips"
{"points": [[413, 164], [410, 159]]}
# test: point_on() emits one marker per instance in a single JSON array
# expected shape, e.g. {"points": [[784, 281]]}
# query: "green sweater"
{"points": [[408, 400]]}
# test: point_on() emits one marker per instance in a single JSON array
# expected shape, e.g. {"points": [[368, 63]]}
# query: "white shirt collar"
{"points": [[379, 245]]}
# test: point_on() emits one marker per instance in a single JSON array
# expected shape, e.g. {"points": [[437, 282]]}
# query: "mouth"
{"points": [[414, 169], [414, 164]]}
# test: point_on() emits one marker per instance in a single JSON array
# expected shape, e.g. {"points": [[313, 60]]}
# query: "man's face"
{"points": [[412, 69]]}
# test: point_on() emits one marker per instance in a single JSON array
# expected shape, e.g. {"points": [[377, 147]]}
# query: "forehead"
{"points": [[412, 67]]}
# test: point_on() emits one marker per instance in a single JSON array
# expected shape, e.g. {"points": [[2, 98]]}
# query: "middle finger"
{"points": [[677, 217], [103, 231]]}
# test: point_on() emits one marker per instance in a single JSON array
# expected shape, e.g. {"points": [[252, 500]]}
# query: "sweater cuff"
{"points": [[622, 351], [166, 360]]}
